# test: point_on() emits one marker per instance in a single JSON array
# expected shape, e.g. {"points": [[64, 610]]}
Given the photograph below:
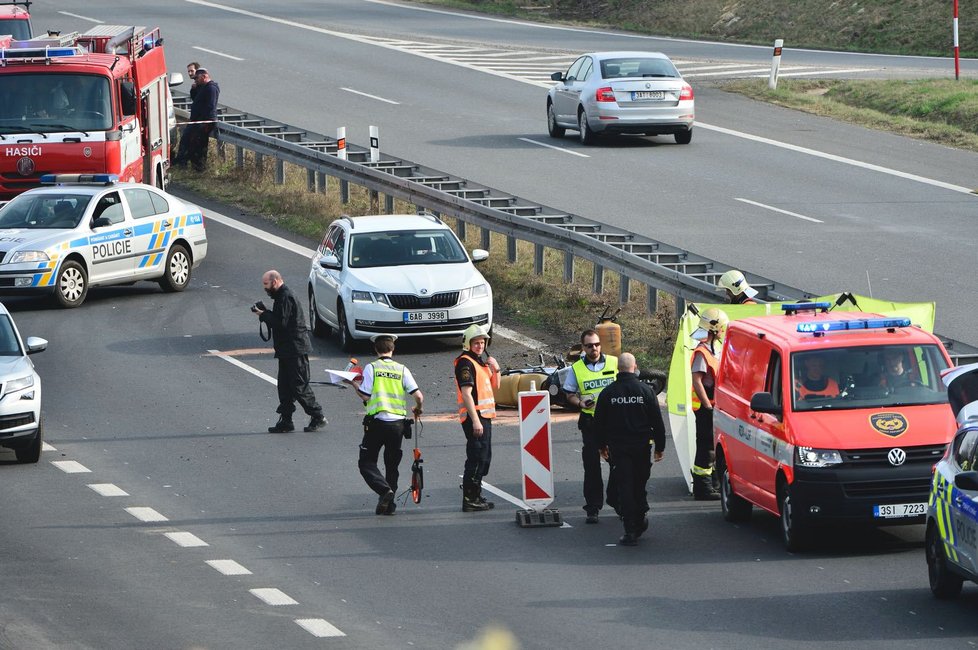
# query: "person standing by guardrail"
{"points": [[203, 115], [738, 291]]}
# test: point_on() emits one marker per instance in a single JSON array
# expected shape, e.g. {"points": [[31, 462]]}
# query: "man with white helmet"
{"points": [[738, 291], [476, 375], [704, 364]]}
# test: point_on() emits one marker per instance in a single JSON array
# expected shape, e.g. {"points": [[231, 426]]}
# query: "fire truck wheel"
{"points": [[176, 273], [735, 508], [71, 286], [794, 534]]}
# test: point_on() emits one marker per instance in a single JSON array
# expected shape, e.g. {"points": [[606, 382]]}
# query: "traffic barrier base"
{"points": [[543, 519]]}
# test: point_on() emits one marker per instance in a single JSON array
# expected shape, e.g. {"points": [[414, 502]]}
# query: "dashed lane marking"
{"points": [[550, 146], [273, 596], [70, 466], [185, 539], [216, 53], [774, 209], [46, 447], [318, 627], [108, 490], [245, 367], [145, 514], [228, 567]]}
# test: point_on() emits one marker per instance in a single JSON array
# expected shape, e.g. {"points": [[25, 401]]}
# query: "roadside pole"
{"points": [[772, 83], [957, 49]]}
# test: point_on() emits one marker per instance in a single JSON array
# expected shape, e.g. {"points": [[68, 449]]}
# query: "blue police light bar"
{"points": [[860, 324], [794, 307], [34, 53], [79, 179]]}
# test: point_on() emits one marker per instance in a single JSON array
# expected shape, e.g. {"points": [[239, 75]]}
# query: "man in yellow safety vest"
{"points": [[384, 388]]}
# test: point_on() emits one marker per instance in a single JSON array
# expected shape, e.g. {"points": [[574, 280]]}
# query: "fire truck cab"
{"points": [[15, 19], [829, 418], [84, 103]]}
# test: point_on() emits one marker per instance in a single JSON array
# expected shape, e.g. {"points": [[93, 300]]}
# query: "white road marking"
{"points": [[820, 72], [46, 447], [70, 466], [743, 71], [185, 539], [245, 367], [145, 514], [108, 490], [379, 99], [318, 627], [516, 337], [260, 234], [550, 146], [216, 53], [772, 208], [273, 596], [519, 503], [79, 16], [228, 567]]}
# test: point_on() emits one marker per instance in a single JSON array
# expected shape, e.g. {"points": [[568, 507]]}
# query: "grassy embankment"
{"points": [[943, 111]]}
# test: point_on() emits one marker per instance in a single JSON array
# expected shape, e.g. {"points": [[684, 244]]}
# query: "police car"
{"points": [[88, 230], [952, 510]]}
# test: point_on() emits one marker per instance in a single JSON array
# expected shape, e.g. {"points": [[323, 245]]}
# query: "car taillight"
{"points": [[686, 93], [605, 94]]}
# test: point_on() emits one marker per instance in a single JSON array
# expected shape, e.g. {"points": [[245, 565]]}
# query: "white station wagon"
{"points": [[90, 230]]}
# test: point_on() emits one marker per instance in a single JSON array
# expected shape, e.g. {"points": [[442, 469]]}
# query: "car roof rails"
{"points": [[348, 218], [430, 215]]}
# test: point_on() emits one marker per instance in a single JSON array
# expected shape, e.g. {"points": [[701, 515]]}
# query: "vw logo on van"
{"points": [[896, 457]]}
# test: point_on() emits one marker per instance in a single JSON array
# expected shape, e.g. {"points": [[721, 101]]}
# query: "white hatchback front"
{"points": [[20, 392], [407, 275], [90, 230]]}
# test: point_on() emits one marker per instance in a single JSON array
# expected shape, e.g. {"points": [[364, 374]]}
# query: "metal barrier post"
{"points": [[460, 230], [238, 156], [598, 284], [259, 162], [486, 238], [651, 299], [568, 267], [538, 250], [279, 171], [624, 285], [511, 248], [310, 180], [322, 182], [388, 204]]}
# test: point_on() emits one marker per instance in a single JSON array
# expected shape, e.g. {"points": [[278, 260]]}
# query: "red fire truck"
{"points": [[15, 19], [84, 103]]}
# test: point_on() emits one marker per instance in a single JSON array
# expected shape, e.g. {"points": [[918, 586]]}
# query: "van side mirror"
{"points": [[764, 403], [128, 97], [330, 262], [966, 481], [479, 255], [557, 76], [176, 78]]}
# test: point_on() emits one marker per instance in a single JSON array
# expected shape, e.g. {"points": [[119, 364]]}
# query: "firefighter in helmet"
{"points": [[476, 375], [704, 364], [738, 291]]}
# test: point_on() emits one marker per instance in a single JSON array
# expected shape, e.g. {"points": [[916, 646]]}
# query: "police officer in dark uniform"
{"points": [[290, 338], [627, 420]]}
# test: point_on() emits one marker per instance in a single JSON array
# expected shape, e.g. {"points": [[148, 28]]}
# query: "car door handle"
{"points": [[166, 224], [127, 232]]}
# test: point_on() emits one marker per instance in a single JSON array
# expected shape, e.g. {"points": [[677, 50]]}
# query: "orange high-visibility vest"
{"points": [[712, 365], [485, 406], [831, 389]]}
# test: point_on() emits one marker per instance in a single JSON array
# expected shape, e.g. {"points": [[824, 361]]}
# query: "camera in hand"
{"points": [[259, 306]]}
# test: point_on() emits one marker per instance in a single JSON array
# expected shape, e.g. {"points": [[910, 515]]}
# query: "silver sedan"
{"points": [[621, 93]]}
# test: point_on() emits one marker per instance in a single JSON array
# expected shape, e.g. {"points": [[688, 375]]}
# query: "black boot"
{"points": [[489, 504], [284, 425], [703, 488], [470, 498], [628, 539]]}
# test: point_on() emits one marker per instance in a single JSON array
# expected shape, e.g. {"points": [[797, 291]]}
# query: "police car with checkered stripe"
{"points": [[952, 510], [86, 230]]}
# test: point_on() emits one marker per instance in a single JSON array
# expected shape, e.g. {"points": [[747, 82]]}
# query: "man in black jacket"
{"points": [[290, 338], [203, 115], [627, 420]]}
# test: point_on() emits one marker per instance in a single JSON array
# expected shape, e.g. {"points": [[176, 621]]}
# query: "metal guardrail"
{"points": [[658, 265]]}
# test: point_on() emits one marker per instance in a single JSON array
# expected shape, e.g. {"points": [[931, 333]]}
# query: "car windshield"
{"points": [[36, 211], [637, 67], [407, 247], [19, 28], [9, 344], [879, 376], [49, 103]]}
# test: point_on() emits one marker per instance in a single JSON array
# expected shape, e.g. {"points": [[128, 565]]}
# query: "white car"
{"points": [[407, 275], [20, 392], [88, 230]]}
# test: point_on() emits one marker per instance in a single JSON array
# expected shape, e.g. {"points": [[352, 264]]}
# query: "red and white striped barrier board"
{"points": [[536, 455]]}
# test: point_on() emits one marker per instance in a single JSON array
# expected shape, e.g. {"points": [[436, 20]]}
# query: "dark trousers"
{"points": [[591, 458], [293, 386], [193, 146], [478, 451], [705, 454], [377, 434], [630, 467]]}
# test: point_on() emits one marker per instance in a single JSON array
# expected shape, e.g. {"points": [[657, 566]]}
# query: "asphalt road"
{"points": [[133, 395]]}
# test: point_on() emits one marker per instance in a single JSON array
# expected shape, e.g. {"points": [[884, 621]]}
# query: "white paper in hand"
{"points": [[340, 376]]}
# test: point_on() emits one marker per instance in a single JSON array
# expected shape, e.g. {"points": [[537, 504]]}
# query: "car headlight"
{"points": [[811, 457], [28, 256], [362, 296], [478, 291], [15, 385], [381, 298]]}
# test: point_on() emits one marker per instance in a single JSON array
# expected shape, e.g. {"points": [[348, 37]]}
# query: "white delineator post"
{"points": [[341, 143], [374, 144], [536, 456], [772, 83]]}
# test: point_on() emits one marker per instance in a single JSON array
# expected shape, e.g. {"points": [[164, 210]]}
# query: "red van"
{"points": [[829, 418]]}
